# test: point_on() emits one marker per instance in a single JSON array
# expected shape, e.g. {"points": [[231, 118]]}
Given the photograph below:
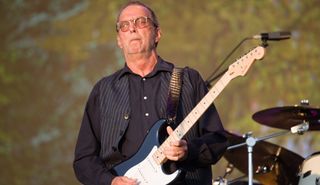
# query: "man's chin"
{"points": [[136, 51]]}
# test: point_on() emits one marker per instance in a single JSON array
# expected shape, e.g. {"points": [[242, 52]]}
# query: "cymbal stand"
{"points": [[237, 179], [251, 141], [222, 180]]}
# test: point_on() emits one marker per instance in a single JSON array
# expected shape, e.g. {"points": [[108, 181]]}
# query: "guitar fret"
{"points": [[173, 137], [203, 103], [186, 122], [238, 68], [197, 112], [212, 93], [191, 117], [207, 100], [182, 130], [158, 156], [179, 133]]}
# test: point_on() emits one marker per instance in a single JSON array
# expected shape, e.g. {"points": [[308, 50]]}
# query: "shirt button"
{"points": [[126, 116], [144, 79], [146, 114], [145, 97]]}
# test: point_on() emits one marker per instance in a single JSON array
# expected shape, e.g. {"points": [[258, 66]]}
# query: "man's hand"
{"points": [[122, 180], [177, 150]]}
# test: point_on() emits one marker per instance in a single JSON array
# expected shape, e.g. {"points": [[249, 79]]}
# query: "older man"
{"points": [[123, 107]]}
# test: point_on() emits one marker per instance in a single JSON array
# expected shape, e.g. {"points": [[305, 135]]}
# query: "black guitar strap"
{"points": [[174, 94]]}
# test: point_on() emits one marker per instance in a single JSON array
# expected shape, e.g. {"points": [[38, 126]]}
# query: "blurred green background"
{"points": [[52, 53]]}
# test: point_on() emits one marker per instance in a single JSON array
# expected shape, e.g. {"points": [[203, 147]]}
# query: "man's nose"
{"points": [[132, 27]]}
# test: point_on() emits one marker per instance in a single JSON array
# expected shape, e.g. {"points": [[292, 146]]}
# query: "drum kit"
{"points": [[269, 163]]}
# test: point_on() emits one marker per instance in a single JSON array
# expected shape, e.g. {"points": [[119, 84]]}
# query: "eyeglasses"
{"points": [[140, 22]]}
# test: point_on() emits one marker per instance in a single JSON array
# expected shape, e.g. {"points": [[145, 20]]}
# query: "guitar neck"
{"points": [[192, 117], [199, 109], [238, 68]]}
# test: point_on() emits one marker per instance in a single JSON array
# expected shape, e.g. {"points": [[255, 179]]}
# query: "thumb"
{"points": [[169, 130]]}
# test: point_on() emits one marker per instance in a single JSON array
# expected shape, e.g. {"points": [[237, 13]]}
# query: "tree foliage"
{"points": [[53, 52]]}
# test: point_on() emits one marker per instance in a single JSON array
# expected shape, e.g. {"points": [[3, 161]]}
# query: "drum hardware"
{"points": [[300, 129], [304, 102], [288, 116], [222, 180], [271, 162], [266, 168], [237, 180], [243, 183]]}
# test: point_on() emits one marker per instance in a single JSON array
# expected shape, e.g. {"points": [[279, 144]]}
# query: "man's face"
{"points": [[137, 40]]}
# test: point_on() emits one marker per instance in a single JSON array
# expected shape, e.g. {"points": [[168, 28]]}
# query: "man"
{"points": [[124, 106]]}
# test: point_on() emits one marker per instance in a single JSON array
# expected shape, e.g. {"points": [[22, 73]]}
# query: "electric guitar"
{"points": [[146, 164]]}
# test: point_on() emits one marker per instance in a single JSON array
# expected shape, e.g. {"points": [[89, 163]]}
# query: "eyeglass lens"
{"points": [[139, 22]]}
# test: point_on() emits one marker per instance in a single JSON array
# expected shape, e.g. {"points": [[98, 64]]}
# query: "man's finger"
{"points": [[169, 130]]}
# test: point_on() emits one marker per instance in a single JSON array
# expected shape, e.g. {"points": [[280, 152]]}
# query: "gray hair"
{"points": [[153, 15]]}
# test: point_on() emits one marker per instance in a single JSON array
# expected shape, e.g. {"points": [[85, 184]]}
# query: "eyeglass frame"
{"points": [[133, 21]]}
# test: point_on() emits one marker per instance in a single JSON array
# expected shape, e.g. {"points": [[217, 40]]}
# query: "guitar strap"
{"points": [[174, 94], [172, 107]]}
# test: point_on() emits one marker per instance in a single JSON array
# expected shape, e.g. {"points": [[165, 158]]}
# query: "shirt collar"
{"points": [[160, 66]]}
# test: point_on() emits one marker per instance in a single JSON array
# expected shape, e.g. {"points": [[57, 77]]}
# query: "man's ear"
{"points": [[158, 35]]}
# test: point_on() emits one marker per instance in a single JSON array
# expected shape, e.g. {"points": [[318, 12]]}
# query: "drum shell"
{"points": [[310, 170]]}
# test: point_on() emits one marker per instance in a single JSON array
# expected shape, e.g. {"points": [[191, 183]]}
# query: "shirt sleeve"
{"points": [[89, 168], [211, 144]]}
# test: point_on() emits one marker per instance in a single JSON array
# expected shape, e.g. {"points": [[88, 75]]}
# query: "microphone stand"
{"points": [[275, 36], [211, 78], [251, 141]]}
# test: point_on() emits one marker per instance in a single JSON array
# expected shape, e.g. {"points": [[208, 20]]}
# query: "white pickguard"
{"points": [[148, 172]]}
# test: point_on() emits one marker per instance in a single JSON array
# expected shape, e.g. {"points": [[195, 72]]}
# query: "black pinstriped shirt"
{"points": [[145, 107], [145, 110]]}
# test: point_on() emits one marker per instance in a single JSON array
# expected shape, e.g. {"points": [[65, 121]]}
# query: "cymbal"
{"points": [[289, 116], [272, 164]]}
